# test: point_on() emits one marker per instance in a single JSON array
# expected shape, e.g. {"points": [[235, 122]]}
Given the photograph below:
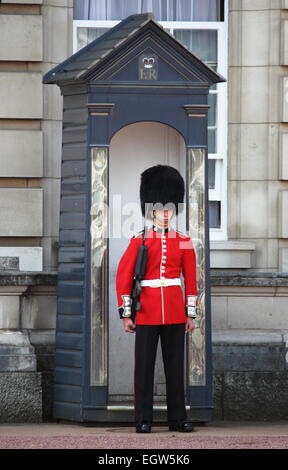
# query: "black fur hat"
{"points": [[162, 184]]}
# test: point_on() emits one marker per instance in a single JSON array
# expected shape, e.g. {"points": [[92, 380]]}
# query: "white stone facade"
{"points": [[257, 165], [35, 35]]}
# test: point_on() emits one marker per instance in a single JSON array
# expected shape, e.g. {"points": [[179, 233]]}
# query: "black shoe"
{"points": [[143, 426], [181, 426]]}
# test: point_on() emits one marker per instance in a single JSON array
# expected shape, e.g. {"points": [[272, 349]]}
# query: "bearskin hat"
{"points": [[161, 184]]}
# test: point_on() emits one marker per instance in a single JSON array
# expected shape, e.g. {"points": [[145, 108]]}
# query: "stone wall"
{"points": [[250, 375], [35, 35], [27, 345]]}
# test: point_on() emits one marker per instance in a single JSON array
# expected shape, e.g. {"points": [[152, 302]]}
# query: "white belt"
{"points": [[161, 282]]}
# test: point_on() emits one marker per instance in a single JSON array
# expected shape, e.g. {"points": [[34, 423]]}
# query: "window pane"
{"points": [[211, 173], [212, 141], [214, 67], [212, 127], [215, 214], [164, 10], [86, 35], [203, 43]]}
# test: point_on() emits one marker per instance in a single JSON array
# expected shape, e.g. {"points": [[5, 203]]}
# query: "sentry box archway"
{"points": [[135, 72]]}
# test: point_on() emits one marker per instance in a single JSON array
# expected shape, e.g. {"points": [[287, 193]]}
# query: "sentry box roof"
{"points": [[110, 56]]}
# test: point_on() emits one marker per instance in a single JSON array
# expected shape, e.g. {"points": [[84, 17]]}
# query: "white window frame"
{"points": [[219, 193]]}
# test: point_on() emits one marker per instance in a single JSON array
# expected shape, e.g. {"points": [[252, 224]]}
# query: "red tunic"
{"points": [[169, 253]]}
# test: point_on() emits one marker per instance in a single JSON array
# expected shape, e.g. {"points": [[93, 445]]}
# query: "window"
{"points": [[203, 27]]}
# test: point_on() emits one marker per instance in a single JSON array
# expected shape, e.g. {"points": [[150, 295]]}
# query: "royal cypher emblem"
{"points": [[148, 66]]}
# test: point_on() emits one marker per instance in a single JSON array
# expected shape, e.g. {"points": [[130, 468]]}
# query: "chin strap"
{"points": [[144, 225]]}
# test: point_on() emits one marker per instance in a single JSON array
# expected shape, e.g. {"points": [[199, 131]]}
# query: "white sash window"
{"points": [[202, 25]]}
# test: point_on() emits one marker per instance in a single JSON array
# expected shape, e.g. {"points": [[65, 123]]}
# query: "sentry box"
{"points": [[133, 97]]}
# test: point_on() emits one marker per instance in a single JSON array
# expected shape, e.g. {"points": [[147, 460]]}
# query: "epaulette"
{"points": [[186, 234], [136, 235]]}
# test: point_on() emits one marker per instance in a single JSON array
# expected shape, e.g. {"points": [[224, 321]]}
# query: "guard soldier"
{"points": [[163, 310]]}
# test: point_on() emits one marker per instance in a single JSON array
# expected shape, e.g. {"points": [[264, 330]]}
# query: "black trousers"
{"points": [[172, 344]]}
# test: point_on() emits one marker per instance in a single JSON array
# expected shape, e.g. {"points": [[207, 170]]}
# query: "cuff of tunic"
{"points": [[191, 307], [125, 309], [191, 312]]}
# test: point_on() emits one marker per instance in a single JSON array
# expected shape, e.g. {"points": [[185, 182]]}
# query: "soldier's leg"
{"points": [[146, 342], [173, 353]]}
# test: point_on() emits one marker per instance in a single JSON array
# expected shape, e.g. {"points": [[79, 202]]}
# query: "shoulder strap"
{"points": [[138, 233], [183, 233]]}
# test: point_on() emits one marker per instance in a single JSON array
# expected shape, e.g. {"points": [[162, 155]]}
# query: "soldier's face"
{"points": [[162, 216]]}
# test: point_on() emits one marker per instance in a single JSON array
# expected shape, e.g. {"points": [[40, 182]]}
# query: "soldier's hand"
{"points": [[129, 326], [190, 325]]}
